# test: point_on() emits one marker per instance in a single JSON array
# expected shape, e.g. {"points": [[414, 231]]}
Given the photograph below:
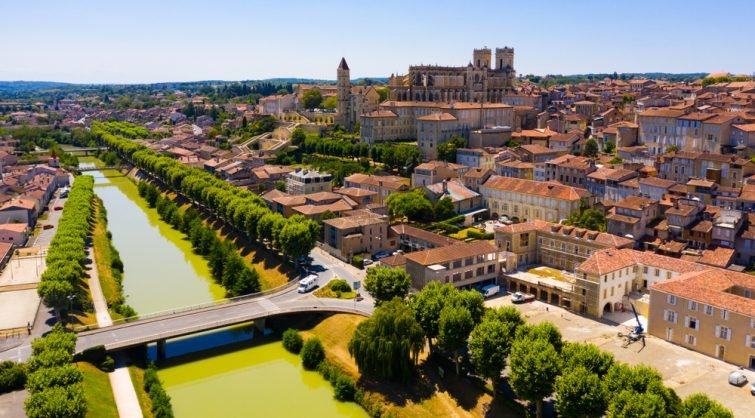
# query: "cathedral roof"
{"points": [[343, 65]]}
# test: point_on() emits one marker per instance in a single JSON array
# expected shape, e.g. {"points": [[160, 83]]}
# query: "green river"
{"points": [[205, 376]]}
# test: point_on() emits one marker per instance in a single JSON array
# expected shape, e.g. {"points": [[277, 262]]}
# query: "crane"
{"points": [[636, 333]]}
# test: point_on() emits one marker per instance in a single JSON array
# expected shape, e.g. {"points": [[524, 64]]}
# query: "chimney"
{"points": [[445, 186]]}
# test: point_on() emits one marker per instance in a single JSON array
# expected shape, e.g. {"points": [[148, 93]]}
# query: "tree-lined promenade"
{"points": [[243, 211]]}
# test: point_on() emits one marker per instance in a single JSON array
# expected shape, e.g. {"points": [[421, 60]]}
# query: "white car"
{"points": [[737, 378], [752, 388]]}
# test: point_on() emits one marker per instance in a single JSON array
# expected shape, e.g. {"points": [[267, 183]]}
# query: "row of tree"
{"points": [[54, 382], [240, 209], [400, 157], [586, 382], [60, 283], [116, 302], [159, 398], [228, 268]]}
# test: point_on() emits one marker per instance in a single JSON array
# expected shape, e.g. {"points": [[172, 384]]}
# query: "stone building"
{"points": [[353, 101], [479, 81]]}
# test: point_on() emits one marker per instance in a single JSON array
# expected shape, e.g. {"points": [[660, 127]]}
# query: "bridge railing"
{"points": [[195, 307]]}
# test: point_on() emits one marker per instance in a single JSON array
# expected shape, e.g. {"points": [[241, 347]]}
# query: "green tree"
{"points": [[298, 136], [609, 147], [385, 283], [544, 331], [447, 150], [534, 368], [312, 98], [330, 103], [444, 209], [580, 393], [388, 344], [382, 93], [414, 205], [672, 148], [454, 325], [490, 344], [588, 356], [699, 405], [591, 219], [296, 239], [292, 341], [628, 404], [312, 353], [57, 401], [591, 148]]}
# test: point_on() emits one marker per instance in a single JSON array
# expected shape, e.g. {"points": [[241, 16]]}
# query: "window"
{"points": [[670, 316], [657, 272], [691, 339], [692, 305], [645, 269], [708, 310], [723, 333], [724, 314], [671, 299], [668, 275], [692, 323]]}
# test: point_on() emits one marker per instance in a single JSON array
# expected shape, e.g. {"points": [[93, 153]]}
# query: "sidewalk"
{"points": [[120, 379]]}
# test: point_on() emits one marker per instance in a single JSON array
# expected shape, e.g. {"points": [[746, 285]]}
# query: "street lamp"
{"points": [[70, 307]]}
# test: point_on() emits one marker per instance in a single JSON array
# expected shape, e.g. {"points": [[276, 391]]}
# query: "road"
{"points": [[180, 323], [53, 217]]}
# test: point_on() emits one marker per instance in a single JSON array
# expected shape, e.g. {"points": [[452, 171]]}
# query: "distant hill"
{"points": [[17, 86]]}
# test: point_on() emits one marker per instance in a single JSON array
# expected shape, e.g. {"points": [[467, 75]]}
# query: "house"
{"points": [[631, 216], [621, 134], [462, 265], [475, 158], [569, 170], [361, 196], [382, 185], [436, 171], [415, 239], [475, 177], [464, 199], [348, 236], [516, 169], [711, 311], [655, 188], [19, 210], [16, 234]]}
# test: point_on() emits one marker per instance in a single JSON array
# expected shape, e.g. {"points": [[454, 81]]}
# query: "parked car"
{"points": [[490, 290], [381, 254], [308, 283], [519, 297], [47, 226], [366, 262], [58, 208], [737, 378]]}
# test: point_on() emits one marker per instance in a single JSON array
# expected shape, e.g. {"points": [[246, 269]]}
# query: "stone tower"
{"points": [[481, 58], [343, 84], [504, 58]]}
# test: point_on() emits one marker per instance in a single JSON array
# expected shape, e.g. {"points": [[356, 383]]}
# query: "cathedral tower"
{"points": [[481, 58], [343, 85], [504, 58]]}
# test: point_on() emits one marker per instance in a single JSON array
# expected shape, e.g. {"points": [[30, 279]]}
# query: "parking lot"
{"points": [[685, 371]]}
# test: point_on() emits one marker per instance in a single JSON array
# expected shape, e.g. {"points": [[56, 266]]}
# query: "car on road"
{"points": [[367, 262], [308, 283], [737, 378], [47, 226], [519, 297], [381, 254], [58, 208]]}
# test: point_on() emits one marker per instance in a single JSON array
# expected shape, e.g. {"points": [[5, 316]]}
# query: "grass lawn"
{"points": [[427, 396], [99, 394], [137, 379], [102, 258], [327, 292]]}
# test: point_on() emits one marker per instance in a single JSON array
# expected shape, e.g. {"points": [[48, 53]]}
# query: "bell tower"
{"points": [[343, 84]]}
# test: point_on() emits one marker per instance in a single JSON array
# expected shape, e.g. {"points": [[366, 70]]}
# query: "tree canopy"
{"points": [[385, 283], [414, 205], [312, 98]]}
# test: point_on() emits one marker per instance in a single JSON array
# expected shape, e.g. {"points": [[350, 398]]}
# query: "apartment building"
{"points": [[307, 181], [631, 216], [655, 188], [348, 236], [462, 265], [476, 158], [411, 239], [523, 200], [710, 311], [569, 170], [661, 128], [726, 170]]}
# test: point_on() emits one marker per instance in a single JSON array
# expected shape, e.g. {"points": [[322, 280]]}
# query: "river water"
{"points": [[205, 376]]}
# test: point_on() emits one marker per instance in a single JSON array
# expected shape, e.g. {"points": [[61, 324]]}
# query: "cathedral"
{"points": [[479, 81]]}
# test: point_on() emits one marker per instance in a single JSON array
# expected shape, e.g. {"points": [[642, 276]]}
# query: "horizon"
{"points": [[146, 43]]}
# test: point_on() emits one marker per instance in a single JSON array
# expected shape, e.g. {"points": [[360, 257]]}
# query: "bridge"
{"points": [[161, 327], [86, 150], [108, 167]]}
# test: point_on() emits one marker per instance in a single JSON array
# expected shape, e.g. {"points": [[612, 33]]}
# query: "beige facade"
{"points": [[348, 236], [711, 311], [524, 200], [382, 185], [461, 264]]}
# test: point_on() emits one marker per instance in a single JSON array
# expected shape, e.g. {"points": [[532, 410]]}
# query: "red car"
{"points": [[58, 208]]}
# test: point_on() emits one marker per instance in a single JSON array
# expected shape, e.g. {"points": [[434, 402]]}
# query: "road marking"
{"points": [[269, 305]]}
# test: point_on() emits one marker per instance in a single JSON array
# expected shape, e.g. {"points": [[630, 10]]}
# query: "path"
{"points": [[120, 380]]}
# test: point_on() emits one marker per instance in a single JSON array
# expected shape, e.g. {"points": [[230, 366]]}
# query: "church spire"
{"points": [[343, 65]]}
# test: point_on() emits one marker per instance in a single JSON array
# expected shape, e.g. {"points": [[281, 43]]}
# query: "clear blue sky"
{"points": [[132, 41]]}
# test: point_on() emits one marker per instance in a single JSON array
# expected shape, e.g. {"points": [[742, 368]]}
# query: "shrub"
{"points": [[161, 407], [340, 285], [357, 261], [344, 388], [107, 365], [312, 353], [12, 376], [292, 341]]}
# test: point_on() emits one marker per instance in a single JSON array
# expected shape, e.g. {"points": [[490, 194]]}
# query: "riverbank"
{"points": [[428, 395]]}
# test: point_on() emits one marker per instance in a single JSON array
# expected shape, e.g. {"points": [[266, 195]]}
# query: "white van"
{"points": [[490, 290], [308, 283]]}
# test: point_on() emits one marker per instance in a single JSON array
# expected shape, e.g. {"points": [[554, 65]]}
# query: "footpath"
{"points": [[120, 380]]}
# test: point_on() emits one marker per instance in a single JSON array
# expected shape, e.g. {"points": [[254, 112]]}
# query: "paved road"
{"points": [[53, 217]]}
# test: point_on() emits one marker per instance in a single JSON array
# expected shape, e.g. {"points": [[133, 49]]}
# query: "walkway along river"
{"points": [[163, 273]]}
